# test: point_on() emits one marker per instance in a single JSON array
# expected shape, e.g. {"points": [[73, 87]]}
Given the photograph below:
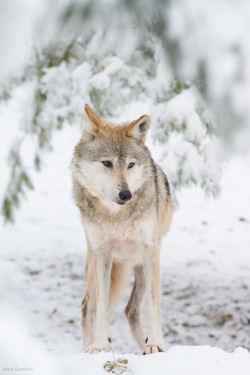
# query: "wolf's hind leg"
{"points": [[88, 307], [133, 308]]}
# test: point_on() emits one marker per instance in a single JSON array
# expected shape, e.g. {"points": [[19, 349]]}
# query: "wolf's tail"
{"points": [[119, 279]]}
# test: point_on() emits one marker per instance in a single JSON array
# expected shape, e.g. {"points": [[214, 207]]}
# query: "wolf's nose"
{"points": [[125, 195]]}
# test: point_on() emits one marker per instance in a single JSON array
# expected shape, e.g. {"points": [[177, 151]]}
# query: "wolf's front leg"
{"points": [[154, 342], [103, 265]]}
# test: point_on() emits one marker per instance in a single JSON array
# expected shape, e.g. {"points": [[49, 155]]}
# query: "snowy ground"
{"points": [[205, 273]]}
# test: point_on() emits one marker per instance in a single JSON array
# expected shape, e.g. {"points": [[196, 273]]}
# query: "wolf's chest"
{"points": [[128, 250], [126, 242]]}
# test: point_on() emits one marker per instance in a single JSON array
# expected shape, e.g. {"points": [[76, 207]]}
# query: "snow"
{"points": [[204, 266], [203, 360], [19, 353]]}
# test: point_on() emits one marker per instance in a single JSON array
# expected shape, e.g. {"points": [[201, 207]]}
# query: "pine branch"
{"points": [[19, 183]]}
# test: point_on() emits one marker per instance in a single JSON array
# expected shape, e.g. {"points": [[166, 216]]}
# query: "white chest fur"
{"points": [[126, 241]]}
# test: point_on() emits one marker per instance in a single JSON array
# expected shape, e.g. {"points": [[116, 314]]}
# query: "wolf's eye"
{"points": [[131, 165], [107, 163]]}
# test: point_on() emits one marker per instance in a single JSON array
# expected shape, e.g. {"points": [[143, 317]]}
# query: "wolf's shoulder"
{"points": [[164, 200], [160, 179], [164, 179]]}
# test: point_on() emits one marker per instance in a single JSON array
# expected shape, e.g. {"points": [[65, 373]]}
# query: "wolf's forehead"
{"points": [[113, 150], [122, 151], [117, 150]]}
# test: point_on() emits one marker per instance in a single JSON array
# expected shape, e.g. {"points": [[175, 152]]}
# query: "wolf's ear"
{"points": [[91, 123], [138, 129]]}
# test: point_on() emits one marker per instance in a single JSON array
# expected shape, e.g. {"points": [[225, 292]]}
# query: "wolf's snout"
{"points": [[125, 195]]}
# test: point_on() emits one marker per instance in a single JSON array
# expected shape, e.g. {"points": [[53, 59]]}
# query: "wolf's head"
{"points": [[111, 161]]}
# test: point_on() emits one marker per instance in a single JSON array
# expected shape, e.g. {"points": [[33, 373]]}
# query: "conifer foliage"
{"points": [[92, 58]]}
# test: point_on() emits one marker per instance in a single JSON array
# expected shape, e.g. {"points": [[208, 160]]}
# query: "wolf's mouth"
{"points": [[121, 203]]}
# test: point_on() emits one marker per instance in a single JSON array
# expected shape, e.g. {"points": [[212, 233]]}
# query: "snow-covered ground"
{"points": [[205, 266]]}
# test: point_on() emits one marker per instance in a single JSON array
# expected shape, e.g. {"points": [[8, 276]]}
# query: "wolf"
{"points": [[126, 207]]}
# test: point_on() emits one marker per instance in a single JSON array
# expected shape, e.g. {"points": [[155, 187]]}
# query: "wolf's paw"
{"points": [[96, 348], [150, 349]]}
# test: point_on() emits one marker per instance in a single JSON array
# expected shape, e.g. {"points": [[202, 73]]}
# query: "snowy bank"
{"points": [[20, 353], [179, 360]]}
